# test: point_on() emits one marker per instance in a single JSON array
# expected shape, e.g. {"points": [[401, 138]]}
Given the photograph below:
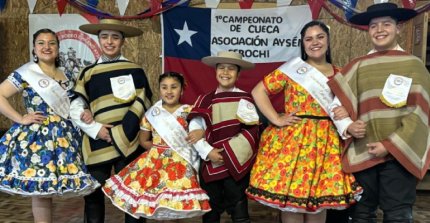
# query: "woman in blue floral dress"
{"points": [[40, 154]]}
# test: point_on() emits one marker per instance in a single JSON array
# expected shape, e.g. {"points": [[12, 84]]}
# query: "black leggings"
{"points": [[227, 195]]}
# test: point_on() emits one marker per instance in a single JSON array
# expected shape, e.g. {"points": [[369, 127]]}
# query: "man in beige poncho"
{"points": [[117, 93], [387, 95]]}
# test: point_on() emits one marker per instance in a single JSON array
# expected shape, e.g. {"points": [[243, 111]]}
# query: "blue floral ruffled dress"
{"points": [[43, 159]]}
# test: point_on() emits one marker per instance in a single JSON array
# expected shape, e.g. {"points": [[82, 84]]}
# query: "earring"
{"points": [[35, 59]]}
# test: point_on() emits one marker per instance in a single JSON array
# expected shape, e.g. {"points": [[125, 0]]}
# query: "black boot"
{"points": [[131, 219], [239, 213], [403, 215], [212, 216], [363, 214], [338, 216]]}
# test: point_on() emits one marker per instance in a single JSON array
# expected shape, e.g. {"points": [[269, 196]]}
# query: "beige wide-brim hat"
{"points": [[228, 57], [111, 24]]}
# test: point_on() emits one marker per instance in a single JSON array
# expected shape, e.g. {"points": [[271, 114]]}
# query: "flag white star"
{"points": [[185, 34]]}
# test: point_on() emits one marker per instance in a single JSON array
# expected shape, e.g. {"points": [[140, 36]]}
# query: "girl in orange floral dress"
{"points": [[298, 165], [162, 183]]}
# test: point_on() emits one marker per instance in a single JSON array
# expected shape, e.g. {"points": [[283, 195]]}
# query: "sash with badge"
{"points": [[311, 80], [47, 88], [173, 133], [396, 90]]}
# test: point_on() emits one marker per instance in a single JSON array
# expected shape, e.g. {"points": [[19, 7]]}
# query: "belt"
{"points": [[313, 117]]}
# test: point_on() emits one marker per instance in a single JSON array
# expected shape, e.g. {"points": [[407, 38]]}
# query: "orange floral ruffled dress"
{"points": [[298, 168], [159, 184]]}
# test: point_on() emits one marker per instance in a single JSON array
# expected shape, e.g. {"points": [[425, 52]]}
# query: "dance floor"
{"points": [[17, 209]]}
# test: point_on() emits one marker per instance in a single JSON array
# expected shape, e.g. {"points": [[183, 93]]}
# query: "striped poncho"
{"points": [[94, 87], [225, 130], [404, 131]]}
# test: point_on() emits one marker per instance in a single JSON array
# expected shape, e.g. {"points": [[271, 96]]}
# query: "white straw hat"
{"points": [[111, 24], [228, 57]]}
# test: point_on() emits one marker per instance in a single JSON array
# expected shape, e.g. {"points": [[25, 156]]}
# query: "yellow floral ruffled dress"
{"points": [[159, 184], [298, 168]]}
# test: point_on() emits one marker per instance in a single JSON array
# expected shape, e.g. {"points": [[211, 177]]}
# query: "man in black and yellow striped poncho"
{"points": [[117, 93], [387, 95]]}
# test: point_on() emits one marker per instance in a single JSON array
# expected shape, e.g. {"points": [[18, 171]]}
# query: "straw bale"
{"points": [[136, 6], [298, 2], [14, 52]]}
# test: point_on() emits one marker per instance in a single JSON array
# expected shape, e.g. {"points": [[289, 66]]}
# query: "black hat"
{"points": [[381, 10]]}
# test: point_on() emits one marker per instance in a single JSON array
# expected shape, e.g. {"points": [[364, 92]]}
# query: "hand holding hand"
{"points": [[215, 156], [357, 129], [104, 133], [195, 136], [340, 113], [87, 116], [32, 117]]}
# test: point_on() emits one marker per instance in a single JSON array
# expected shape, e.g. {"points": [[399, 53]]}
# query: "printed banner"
{"points": [[77, 49], [267, 37]]}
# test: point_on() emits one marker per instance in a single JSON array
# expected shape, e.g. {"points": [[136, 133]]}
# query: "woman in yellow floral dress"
{"points": [[298, 166], [162, 183]]}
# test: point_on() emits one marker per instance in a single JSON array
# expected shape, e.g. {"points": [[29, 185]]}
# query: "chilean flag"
{"points": [[266, 37]]}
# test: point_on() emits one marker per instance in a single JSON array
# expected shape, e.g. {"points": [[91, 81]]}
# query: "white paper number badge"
{"points": [[247, 113], [396, 90], [123, 88]]}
